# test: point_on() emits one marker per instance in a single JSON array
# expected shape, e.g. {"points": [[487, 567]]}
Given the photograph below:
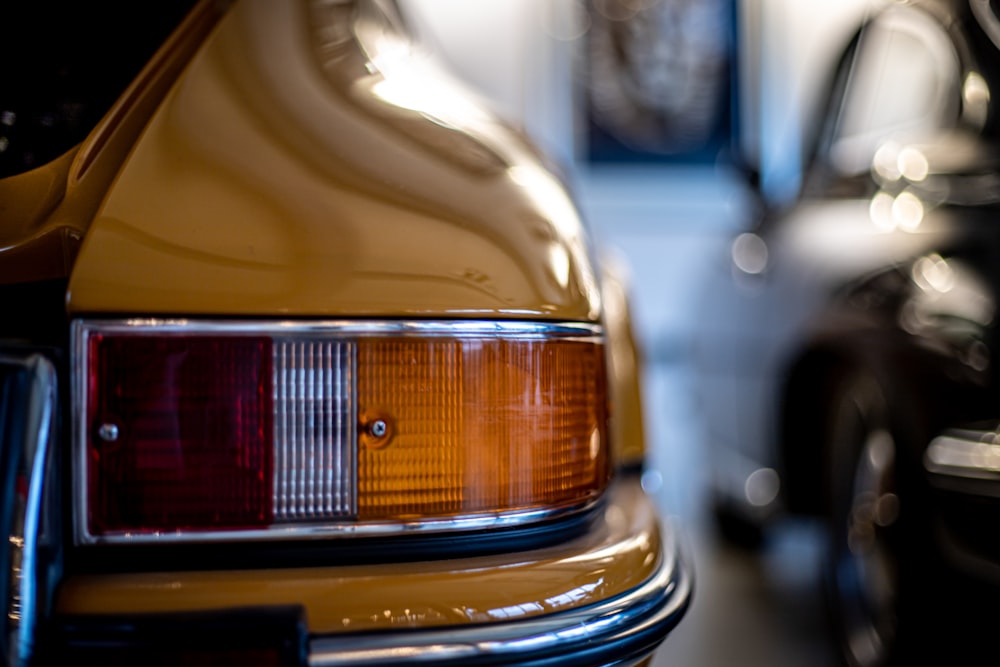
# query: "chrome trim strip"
{"points": [[308, 531], [965, 455], [640, 619], [29, 527], [43, 400], [348, 328], [78, 429], [325, 330], [987, 19]]}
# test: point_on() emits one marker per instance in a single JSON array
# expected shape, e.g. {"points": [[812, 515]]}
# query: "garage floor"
{"points": [[750, 609]]}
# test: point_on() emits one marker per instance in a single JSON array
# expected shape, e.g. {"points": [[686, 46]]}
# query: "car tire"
{"points": [[875, 611]]}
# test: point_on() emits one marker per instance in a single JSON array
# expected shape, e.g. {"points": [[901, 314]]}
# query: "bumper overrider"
{"points": [[963, 468], [608, 596], [965, 461], [28, 426]]}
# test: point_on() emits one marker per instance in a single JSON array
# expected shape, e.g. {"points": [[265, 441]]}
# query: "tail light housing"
{"points": [[231, 430]]}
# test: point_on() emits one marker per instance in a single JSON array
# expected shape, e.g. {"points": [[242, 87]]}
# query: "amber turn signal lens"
{"points": [[458, 426]]}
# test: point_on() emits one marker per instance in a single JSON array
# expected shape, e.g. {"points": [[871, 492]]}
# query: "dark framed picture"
{"points": [[658, 81]]}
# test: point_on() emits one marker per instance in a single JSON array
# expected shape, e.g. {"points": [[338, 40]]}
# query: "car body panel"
{"points": [[276, 165], [619, 555], [47, 210], [325, 194], [625, 364]]}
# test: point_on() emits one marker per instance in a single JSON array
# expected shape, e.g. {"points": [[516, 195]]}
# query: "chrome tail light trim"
{"points": [[632, 624], [322, 510]]}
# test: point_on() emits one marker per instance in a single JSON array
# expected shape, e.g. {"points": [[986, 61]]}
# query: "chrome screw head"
{"points": [[108, 432]]}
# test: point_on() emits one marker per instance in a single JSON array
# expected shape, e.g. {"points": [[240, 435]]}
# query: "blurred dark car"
{"points": [[847, 369]]}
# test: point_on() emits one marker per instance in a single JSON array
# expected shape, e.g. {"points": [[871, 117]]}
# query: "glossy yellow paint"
{"points": [[30, 247], [45, 213], [621, 552], [625, 364], [310, 163]]}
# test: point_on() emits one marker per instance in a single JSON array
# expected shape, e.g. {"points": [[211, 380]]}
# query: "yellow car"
{"points": [[305, 359]]}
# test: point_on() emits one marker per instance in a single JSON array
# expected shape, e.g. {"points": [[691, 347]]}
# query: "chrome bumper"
{"points": [[619, 631], [28, 423]]}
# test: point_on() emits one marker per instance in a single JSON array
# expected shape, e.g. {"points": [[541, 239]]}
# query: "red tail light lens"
{"points": [[293, 430], [181, 433]]}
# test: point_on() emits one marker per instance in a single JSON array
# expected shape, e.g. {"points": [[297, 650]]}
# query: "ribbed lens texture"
{"points": [[480, 425], [314, 427], [192, 417]]}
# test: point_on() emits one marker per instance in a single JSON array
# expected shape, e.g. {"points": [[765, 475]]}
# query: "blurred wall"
{"points": [[521, 55], [517, 53]]}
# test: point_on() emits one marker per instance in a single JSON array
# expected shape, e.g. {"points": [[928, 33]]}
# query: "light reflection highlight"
{"points": [[933, 274], [908, 211], [761, 487], [912, 164], [905, 211], [750, 254], [571, 597], [595, 444], [892, 162], [880, 211], [559, 264], [885, 162], [516, 611], [976, 98], [552, 201], [652, 481], [416, 91], [411, 80], [550, 195]]}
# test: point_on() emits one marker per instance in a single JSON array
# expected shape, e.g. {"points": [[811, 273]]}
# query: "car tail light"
{"points": [[217, 430]]}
